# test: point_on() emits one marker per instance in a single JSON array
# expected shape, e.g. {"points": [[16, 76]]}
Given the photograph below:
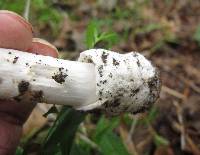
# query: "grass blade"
{"points": [[62, 133]]}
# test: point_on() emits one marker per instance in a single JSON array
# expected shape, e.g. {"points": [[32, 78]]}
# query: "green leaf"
{"points": [[127, 119], [151, 27], [152, 114], [16, 6], [40, 4], [148, 28], [110, 37], [94, 36], [157, 46], [77, 150], [105, 125], [19, 151], [92, 33], [159, 140], [63, 131], [197, 35], [111, 144]]}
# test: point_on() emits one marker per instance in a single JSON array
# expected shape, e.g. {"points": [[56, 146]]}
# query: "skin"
{"points": [[16, 33]]}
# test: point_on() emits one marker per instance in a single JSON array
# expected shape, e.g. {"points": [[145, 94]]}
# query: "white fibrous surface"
{"points": [[37, 78], [124, 82]]}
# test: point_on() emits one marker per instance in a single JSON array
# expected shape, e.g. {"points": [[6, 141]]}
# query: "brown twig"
{"points": [[173, 92], [194, 148], [129, 144], [180, 119]]}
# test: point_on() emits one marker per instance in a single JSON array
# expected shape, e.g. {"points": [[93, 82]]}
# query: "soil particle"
{"points": [[60, 69], [103, 82], [132, 80], [100, 70], [134, 92], [104, 57], [90, 61], [15, 60], [110, 75], [116, 103], [37, 96], [25, 94], [138, 63], [154, 85], [23, 86], [115, 62], [112, 104], [135, 54], [60, 77]]}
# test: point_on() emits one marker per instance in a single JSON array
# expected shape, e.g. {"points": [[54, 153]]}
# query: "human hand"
{"points": [[16, 33]]}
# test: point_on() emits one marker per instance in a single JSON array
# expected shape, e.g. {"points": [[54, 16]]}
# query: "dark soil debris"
{"points": [[100, 70], [134, 92], [115, 62], [23, 86], [104, 57], [110, 75], [15, 59], [37, 96], [60, 69], [138, 63], [60, 77]]}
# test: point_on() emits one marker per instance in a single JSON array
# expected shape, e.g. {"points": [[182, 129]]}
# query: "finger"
{"points": [[10, 137], [42, 47], [12, 117], [15, 31]]}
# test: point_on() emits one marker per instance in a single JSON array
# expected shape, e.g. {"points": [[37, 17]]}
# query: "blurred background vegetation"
{"points": [[165, 31]]}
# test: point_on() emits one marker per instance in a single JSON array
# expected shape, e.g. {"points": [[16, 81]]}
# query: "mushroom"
{"points": [[100, 80]]}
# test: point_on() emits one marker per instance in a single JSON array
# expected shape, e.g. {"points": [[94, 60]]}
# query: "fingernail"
{"points": [[42, 47]]}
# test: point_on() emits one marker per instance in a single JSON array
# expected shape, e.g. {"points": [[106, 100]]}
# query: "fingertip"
{"points": [[18, 18], [16, 31], [42, 47]]}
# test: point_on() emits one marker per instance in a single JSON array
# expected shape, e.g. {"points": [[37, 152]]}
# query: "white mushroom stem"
{"points": [[105, 80], [60, 81]]}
